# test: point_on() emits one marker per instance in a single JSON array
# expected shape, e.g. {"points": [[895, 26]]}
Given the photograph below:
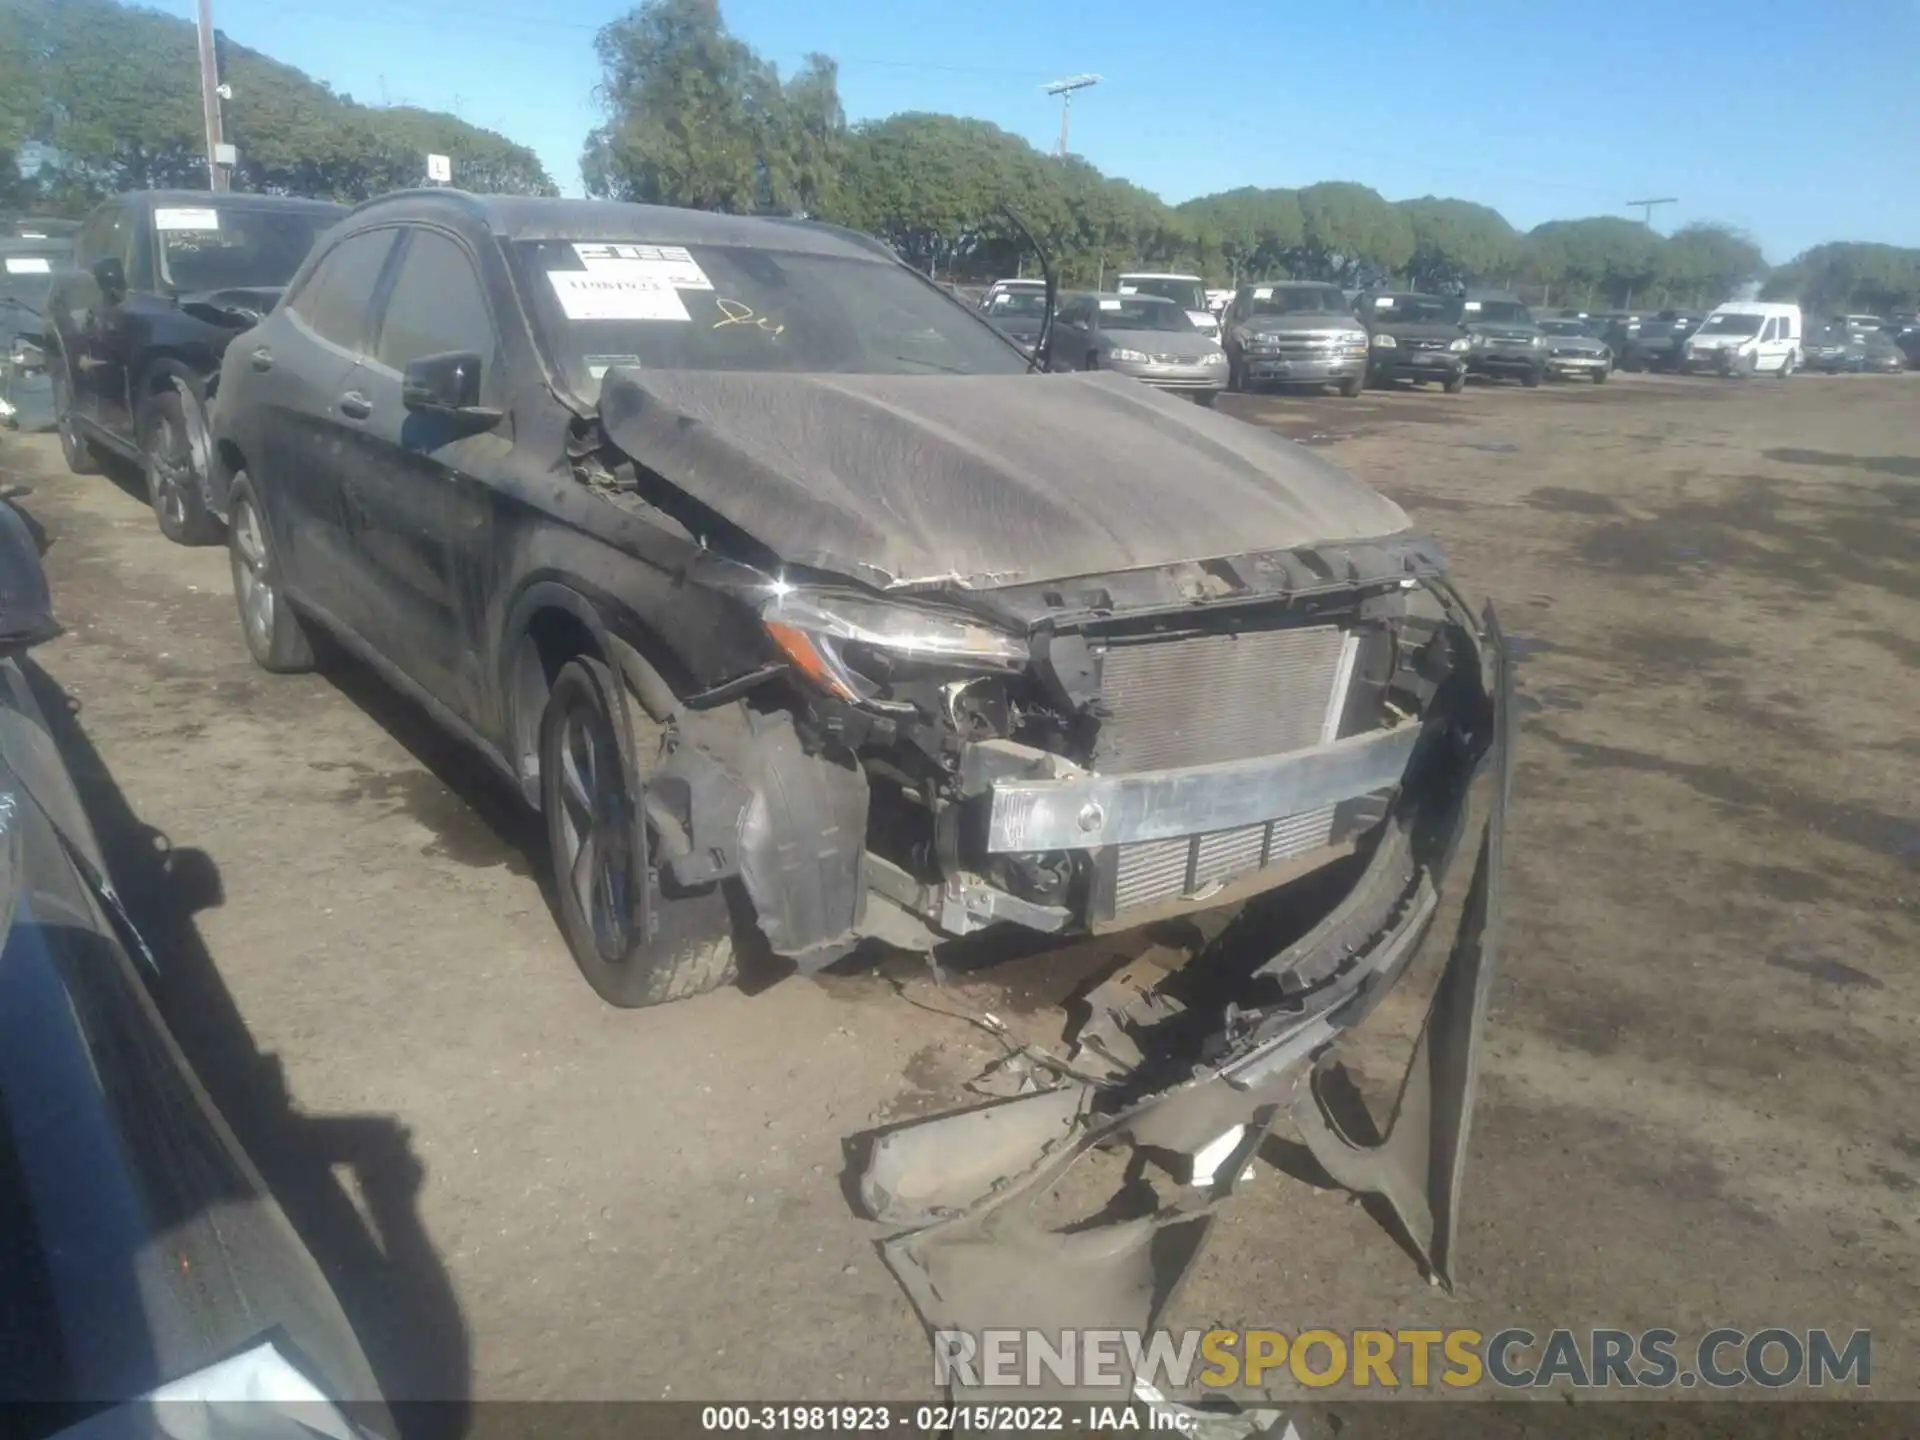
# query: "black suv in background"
{"points": [[161, 281], [1414, 337], [1505, 343], [1651, 342]]}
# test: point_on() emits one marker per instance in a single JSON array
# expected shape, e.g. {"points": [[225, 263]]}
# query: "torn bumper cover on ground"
{"points": [[1083, 1206]]}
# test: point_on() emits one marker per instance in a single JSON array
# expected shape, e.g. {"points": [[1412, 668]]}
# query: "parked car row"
{"points": [[784, 588]]}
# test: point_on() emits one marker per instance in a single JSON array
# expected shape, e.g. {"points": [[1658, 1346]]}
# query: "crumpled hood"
{"points": [[1494, 330], [1575, 344], [981, 480]]}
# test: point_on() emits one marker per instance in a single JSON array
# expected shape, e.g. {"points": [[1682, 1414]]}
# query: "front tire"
{"points": [[636, 944], [1205, 398], [1600, 375], [1351, 387], [1531, 379], [174, 483], [1786, 366], [75, 449], [1454, 384], [276, 637]]}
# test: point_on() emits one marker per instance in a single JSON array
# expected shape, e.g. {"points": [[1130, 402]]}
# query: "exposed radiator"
{"points": [[1213, 698]]}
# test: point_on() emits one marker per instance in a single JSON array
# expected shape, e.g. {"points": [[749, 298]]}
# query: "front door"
{"points": [[302, 361], [417, 517], [98, 366], [1774, 347]]}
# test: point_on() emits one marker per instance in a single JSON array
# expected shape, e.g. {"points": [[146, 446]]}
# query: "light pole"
{"points": [[1064, 89], [1646, 206], [210, 100]]}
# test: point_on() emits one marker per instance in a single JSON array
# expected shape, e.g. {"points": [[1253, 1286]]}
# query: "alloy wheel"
{"points": [[169, 469], [595, 831], [252, 581]]}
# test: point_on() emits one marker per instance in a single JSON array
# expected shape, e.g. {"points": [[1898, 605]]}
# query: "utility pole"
{"points": [[1064, 89], [210, 99], [1646, 206]]}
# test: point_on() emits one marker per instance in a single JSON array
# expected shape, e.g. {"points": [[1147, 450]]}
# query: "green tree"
{"points": [[1456, 243], [1605, 255], [1704, 263], [694, 117], [1350, 234], [1844, 276]]}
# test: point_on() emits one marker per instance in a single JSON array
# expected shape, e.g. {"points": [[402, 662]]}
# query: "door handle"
{"points": [[355, 406], [262, 359]]}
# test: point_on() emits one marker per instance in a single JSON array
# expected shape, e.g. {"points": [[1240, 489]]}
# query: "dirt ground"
{"points": [[1698, 1105]]}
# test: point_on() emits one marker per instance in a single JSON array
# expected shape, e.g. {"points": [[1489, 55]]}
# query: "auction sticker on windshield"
{"points": [[28, 265], [604, 295], [668, 264], [183, 219]]}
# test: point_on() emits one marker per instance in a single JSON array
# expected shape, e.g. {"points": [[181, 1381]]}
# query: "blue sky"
{"points": [[1796, 120]]}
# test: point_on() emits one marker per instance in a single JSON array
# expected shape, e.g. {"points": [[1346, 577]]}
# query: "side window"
{"points": [[110, 232], [1772, 332], [337, 300], [436, 305]]}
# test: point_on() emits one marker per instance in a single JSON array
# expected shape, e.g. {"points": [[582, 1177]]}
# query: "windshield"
{"points": [[1189, 294], [1297, 300], [1566, 327], [1140, 313], [233, 247], [1019, 305], [1495, 312], [26, 273], [1731, 325], [1422, 309], [741, 307]]}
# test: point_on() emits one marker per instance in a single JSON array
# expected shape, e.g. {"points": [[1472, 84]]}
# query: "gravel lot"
{"points": [[1699, 1099]]}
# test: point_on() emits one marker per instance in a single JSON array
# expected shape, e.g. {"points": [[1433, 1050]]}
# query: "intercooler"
{"points": [[1205, 699]]}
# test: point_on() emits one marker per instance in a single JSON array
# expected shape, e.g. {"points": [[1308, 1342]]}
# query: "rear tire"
{"points": [[174, 483], [276, 637], [75, 449], [1786, 366], [636, 944]]}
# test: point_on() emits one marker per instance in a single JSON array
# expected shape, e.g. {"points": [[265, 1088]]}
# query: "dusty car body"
{"points": [[1574, 352], [161, 283], [1020, 315], [1145, 336], [1286, 332], [1414, 337], [145, 1259], [1652, 342]]}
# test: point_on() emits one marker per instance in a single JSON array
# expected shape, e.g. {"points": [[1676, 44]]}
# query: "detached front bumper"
{"points": [[1404, 364], [1191, 1075], [1501, 361], [1577, 365]]}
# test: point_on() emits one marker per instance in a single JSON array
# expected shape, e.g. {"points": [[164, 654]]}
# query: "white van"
{"points": [[1747, 337], [1189, 292]]}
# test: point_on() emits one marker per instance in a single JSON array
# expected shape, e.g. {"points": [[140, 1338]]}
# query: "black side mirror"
{"points": [[111, 276], [446, 388]]}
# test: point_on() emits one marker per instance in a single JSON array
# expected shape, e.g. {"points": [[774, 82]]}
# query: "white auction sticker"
{"points": [[172, 219], [670, 264], [28, 265], [1385, 302], [1473, 304], [597, 295], [1109, 304], [1129, 289], [1263, 292]]}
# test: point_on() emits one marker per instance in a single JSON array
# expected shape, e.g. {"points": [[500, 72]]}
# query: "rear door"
{"points": [[99, 324], [416, 506], [299, 364]]}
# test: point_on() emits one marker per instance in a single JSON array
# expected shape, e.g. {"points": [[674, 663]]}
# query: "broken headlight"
{"points": [[833, 639]]}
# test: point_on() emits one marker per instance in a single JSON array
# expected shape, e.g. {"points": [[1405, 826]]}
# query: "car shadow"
{"points": [[376, 1254]]}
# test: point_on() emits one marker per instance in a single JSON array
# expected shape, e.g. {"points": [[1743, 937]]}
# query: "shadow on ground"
{"points": [[377, 1256]]}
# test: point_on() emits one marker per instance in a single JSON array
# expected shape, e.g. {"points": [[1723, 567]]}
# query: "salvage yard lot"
{"points": [[1698, 1097]]}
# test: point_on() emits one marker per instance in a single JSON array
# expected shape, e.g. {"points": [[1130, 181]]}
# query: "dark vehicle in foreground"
{"points": [[162, 281], [143, 1255], [1651, 342], [806, 609], [1504, 342], [1835, 350], [1414, 337], [1881, 355], [1287, 333], [1020, 315], [29, 260], [1574, 352], [1146, 336]]}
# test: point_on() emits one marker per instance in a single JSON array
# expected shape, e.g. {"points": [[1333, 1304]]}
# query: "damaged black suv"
{"points": [[808, 608]]}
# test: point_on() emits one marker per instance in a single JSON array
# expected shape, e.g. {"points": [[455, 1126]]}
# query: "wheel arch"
{"points": [[550, 623]]}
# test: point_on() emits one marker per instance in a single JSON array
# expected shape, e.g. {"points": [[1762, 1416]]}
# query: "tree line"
{"points": [[694, 116], [113, 92]]}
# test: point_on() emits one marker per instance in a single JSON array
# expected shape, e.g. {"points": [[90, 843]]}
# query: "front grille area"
{"points": [[1208, 699], [1426, 344]]}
